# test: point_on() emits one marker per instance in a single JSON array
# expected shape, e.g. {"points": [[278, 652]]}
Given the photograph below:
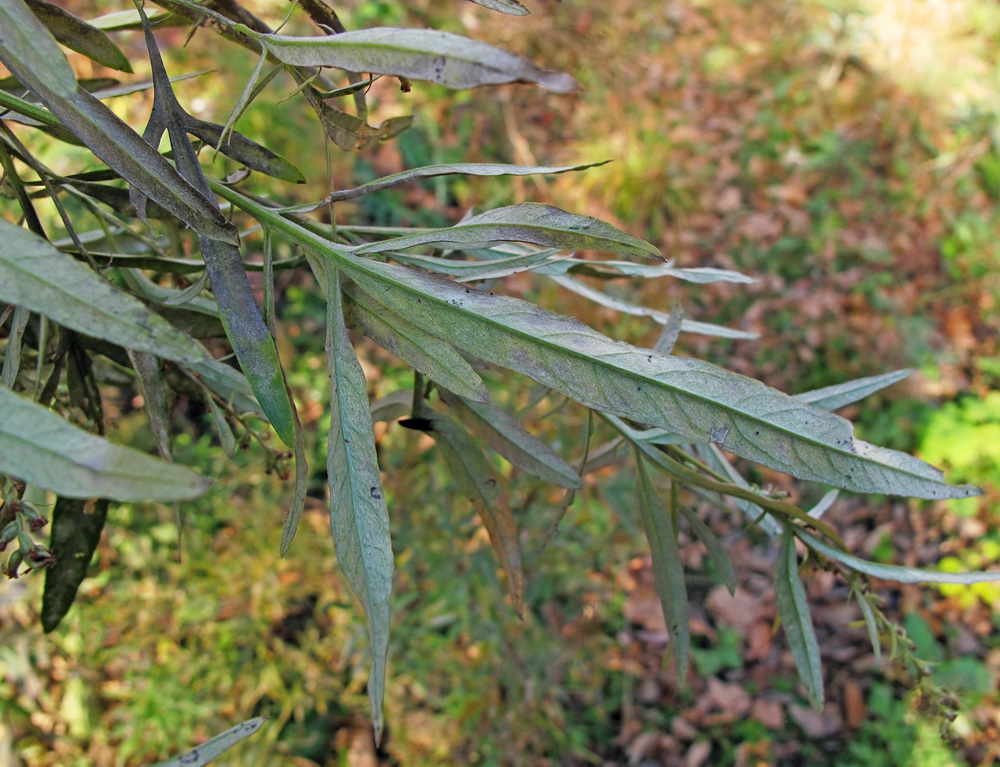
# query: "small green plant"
{"points": [[138, 276]]}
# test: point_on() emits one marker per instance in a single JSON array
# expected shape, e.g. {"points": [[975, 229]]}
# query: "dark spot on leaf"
{"points": [[375, 493], [491, 482]]}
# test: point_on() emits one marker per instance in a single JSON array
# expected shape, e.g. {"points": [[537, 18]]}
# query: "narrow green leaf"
{"points": [[12, 354], [896, 573], [154, 395], [227, 382], [505, 435], [689, 397], [129, 20], [26, 45], [222, 428], [793, 609], [671, 330], [838, 395], [431, 171], [359, 519], [474, 478], [298, 506], [419, 54], [708, 275], [668, 569], [688, 326], [512, 7], [870, 622], [392, 406], [79, 36], [212, 748], [428, 354], [824, 504], [240, 148], [36, 275], [470, 271], [543, 225], [76, 531], [716, 551], [41, 448]]}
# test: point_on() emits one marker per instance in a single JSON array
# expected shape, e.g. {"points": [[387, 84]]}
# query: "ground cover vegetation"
{"points": [[740, 166]]}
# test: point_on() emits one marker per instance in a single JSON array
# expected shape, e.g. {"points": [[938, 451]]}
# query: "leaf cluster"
{"points": [[158, 282]]}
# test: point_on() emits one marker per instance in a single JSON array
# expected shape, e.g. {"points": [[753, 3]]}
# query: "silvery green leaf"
{"points": [[120, 21], [420, 54], [793, 609], [688, 397], [359, 519], [824, 504], [532, 222], [431, 171], [154, 396], [424, 352], [896, 573], [671, 330], [222, 428], [469, 271], [512, 7], [213, 747], [505, 435], [668, 571], [687, 326], [35, 275], [838, 395], [393, 406], [38, 446], [871, 624], [27, 46], [707, 275]]}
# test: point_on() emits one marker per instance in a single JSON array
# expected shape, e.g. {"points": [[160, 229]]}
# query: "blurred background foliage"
{"points": [[846, 152]]}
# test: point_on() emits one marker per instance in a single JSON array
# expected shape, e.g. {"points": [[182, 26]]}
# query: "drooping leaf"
{"points": [[671, 331], [440, 57], [793, 609], [351, 133], [668, 570], [241, 316], [871, 624], [543, 225], [79, 36], [29, 46], [504, 434], [431, 171], [221, 425], [475, 479], [44, 450], [425, 353], [392, 406], [716, 551], [212, 748], [36, 275], [76, 531], [824, 504], [154, 395], [897, 573], [838, 395], [12, 354], [359, 519], [512, 7], [689, 397]]}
